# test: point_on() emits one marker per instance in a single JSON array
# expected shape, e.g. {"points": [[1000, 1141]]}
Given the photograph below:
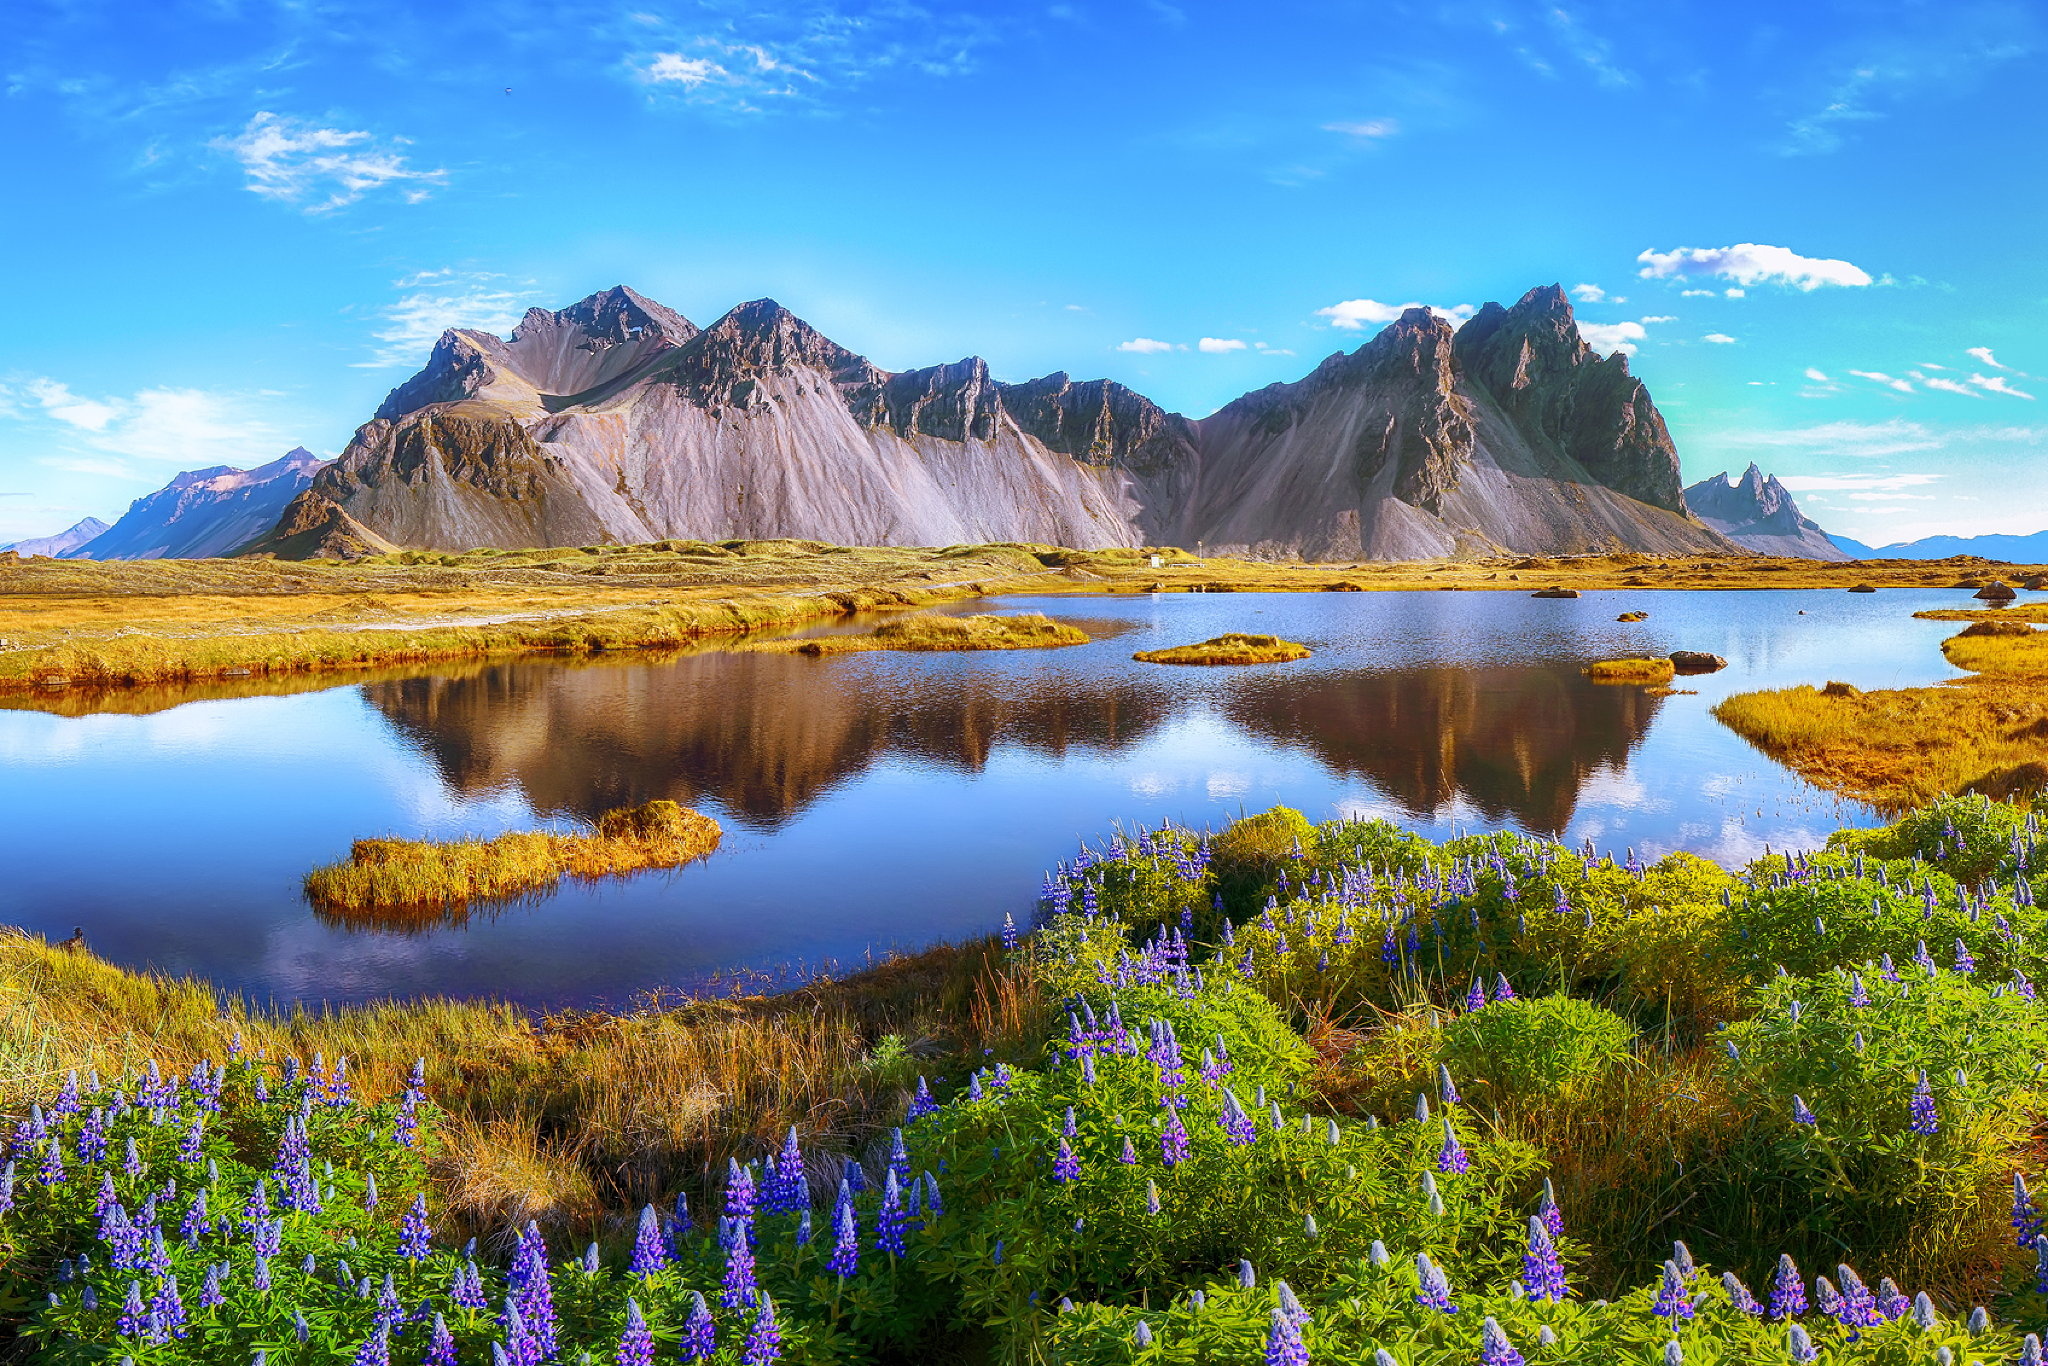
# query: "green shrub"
{"points": [[1548, 1046]]}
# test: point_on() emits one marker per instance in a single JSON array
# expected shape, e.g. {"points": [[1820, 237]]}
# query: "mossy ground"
{"points": [[1656, 671], [1232, 648], [926, 631], [387, 879]]}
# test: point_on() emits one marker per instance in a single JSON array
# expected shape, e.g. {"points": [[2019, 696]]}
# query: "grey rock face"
{"points": [[617, 419], [1758, 513], [204, 513]]}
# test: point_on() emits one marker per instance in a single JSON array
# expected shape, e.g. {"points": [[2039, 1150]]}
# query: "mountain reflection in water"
{"points": [[767, 735]]}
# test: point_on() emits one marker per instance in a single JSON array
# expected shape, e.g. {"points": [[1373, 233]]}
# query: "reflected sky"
{"points": [[884, 801]]}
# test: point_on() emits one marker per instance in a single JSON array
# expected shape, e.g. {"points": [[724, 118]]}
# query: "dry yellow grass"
{"points": [[387, 877], [1632, 671], [926, 631], [1232, 648], [1899, 748], [560, 1118]]}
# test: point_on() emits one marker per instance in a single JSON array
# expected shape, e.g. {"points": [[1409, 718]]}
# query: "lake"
{"points": [[877, 802]]}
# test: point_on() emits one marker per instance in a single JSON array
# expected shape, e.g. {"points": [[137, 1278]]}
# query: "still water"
{"points": [[883, 801]]}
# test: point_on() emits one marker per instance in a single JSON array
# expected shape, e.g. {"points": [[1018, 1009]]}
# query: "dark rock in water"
{"points": [[618, 420], [1555, 593], [1696, 662], [1633, 616], [1863, 588], [1996, 591], [1756, 512]]}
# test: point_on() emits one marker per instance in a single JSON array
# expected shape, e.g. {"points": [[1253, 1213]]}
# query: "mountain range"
{"points": [[70, 538], [617, 419], [1757, 513], [2014, 549]]}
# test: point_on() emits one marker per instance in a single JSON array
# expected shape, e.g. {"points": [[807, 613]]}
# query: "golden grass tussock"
{"points": [[1899, 748], [382, 876], [1232, 648], [929, 631], [1656, 671]]}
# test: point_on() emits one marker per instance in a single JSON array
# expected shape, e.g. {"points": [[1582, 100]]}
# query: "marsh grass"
{"points": [[926, 631], [1900, 748], [382, 876], [1233, 648], [1655, 671]]}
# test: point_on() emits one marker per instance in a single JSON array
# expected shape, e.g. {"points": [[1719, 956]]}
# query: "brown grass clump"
{"points": [[1660, 671], [1900, 748], [926, 631], [1233, 648], [383, 876]]}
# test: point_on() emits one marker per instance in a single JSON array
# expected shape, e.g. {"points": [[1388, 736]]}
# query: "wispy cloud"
{"points": [[1866, 440], [1946, 49], [1367, 129], [1589, 294], [1217, 346], [1148, 346], [1904, 386], [434, 301], [1869, 487], [1983, 354], [1719, 339], [120, 435], [1998, 384], [1355, 314], [1612, 337], [322, 169], [1750, 263]]}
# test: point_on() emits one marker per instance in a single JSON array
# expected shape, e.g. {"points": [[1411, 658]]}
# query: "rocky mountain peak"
{"points": [[615, 315]]}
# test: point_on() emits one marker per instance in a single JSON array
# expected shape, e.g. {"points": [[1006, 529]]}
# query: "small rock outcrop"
{"points": [[1697, 662]]}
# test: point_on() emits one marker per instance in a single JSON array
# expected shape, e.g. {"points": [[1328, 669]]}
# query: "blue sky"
{"points": [[238, 223]]}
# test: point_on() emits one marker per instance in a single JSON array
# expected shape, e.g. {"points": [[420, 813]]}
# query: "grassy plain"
{"points": [[68, 625], [1233, 648]]}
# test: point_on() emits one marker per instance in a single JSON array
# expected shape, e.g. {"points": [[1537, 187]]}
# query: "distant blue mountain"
{"points": [[2012, 549]]}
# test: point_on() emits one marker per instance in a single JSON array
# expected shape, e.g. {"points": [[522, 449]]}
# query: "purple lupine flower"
{"points": [[1858, 1307], [786, 1191], [845, 1258], [414, 1232], [51, 1173], [440, 1345], [1452, 1157], [739, 1196], [259, 1274], [376, 1349], [1152, 1198], [466, 1286], [1924, 958], [1283, 1342], [2021, 985], [195, 1223], [210, 1294], [167, 1311], [1475, 999], [1788, 1290], [1672, 1301], [1446, 1090], [764, 1339], [1799, 1345], [92, 1137], [1434, 1291], [1066, 1167], [1542, 1271], [1070, 1127], [1238, 1126], [1494, 1347], [1129, 1156], [1738, 1294], [1802, 1115], [134, 1318], [1858, 996], [889, 1219], [195, 1134], [1174, 1147], [738, 1288], [1964, 962], [2026, 1219], [1922, 1108], [650, 1249], [532, 1286], [1501, 990], [2030, 1350], [1548, 1212], [636, 1340], [899, 1155], [700, 1331], [1891, 1301]]}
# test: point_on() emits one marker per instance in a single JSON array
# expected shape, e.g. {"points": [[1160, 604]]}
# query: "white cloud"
{"points": [[1949, 386], [1983, 353], [1612, 337], [437, 300], [1146, 346], [1719, 339], [1750, 263], [1861, 439], [1354, 314], [1817, 375], [688, 72], [1696, 294], [1735, 293], [1859, 485], [189, 427], [1998, 384], [1888, 381], [1655, 318], [1369, 129], [322, 169], [1216, 346], [1588, 294]]}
